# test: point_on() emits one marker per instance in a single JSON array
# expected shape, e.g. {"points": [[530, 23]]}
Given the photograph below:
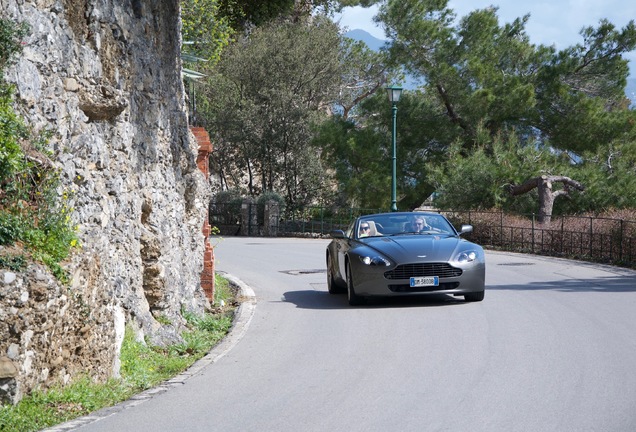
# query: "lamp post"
{"points": [[394, 96]]}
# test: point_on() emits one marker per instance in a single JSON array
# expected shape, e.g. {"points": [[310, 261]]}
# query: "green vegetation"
{"points": [[263, 98], [33, 215], [205, 32], [13, 262], [506, 110], [11, 35], [142, 367], [491, 111]]}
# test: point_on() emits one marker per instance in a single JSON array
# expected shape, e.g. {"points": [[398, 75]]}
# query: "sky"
{"points": [[554, 22]]}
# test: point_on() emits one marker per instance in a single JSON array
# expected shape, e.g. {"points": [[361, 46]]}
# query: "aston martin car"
{"points": [[404, 254]]}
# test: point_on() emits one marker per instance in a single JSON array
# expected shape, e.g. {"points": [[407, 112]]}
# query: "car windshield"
{"points": [[403, 224]]}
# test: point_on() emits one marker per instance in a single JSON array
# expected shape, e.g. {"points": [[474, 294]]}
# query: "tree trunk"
{"points": [[546, 200], [546, 194]]}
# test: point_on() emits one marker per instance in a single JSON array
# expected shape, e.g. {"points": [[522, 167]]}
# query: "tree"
{"points": [[484, 176], [609, 175], [357, 160], [364, 72], [558, 107], [363, 3], [261, 101], [501, 172], [359, 151], [484, 73], [205, 31], [254, 13]]}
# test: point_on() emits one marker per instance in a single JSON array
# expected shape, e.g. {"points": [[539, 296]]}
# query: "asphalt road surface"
{"points": [[551, 348]]}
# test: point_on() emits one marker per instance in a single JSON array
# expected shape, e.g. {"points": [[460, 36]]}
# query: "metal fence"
{"points": [[226, 217], [320, 221], [603, 240], [245, 218]]}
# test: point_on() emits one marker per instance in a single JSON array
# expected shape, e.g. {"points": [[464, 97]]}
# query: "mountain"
{"points": [[372, 42]]}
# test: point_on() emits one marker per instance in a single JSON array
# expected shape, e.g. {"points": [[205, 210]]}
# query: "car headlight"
{"points": [[375, 261], [467, 256]]}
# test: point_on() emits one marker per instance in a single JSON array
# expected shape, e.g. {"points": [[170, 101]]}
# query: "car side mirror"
{"points": [[337, 234], [466, 229]]}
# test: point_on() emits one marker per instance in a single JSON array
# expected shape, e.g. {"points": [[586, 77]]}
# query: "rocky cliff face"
{"points": [[104, 77]]}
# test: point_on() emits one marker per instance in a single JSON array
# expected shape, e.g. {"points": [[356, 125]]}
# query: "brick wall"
{"points": [[207, 276]]}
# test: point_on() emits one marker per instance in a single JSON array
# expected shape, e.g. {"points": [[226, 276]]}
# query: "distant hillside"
{"points": [[372, 42], [375, 44]]}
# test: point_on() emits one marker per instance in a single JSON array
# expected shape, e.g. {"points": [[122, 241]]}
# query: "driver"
{"points": [[419, 224]]}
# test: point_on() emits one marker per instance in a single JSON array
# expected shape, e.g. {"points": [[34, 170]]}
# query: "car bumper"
{"points": [[371, 281]]}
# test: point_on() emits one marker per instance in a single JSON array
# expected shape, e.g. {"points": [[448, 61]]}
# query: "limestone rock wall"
{"points": [[104, 77]]}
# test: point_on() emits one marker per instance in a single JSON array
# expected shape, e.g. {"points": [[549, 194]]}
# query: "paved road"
{"points": [[551, 348]]}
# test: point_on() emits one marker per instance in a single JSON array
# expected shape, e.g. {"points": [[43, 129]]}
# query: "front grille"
{"points": [[406, 271], [410, 289]]}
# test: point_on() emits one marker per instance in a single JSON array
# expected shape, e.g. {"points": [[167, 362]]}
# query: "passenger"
{"points": [[365, 229]]}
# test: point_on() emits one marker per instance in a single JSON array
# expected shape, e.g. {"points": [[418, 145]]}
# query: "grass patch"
{"points": [[143, 367], [223, 291], [57, 405]]}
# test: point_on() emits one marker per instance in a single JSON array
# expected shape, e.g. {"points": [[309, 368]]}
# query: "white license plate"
{"points": [[425, 281]]}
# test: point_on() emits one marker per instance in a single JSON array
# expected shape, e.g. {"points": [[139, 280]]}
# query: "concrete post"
{"points": [[270, 218]]}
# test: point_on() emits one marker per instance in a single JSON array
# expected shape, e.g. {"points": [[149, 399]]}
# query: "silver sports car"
{"points": [[406, 253]]}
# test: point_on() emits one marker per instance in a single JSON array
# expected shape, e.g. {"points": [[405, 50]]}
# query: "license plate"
{"points": [[425, 281]]}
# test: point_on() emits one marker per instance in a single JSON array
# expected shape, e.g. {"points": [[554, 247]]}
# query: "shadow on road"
{"points": [[602, 284], [310, 299]]}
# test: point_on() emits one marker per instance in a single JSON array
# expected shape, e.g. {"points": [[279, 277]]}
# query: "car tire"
{"points": [[474, 297], [354, 299], [332, 286]]}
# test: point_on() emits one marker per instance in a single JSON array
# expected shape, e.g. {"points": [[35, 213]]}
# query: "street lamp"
{"points": [[394, 93]]}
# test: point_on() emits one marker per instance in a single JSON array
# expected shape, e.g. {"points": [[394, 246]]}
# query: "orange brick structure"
{"points": [[207, 276]]}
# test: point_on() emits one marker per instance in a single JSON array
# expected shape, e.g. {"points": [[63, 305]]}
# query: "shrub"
{"points": [[13, 262], [11, 34], [31, 210]]}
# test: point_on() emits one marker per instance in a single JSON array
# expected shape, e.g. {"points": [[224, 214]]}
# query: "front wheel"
{"points": [[474, 297], [354, 299]]}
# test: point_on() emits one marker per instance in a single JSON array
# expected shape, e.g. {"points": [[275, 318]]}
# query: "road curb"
{"points": [[242, 319]]}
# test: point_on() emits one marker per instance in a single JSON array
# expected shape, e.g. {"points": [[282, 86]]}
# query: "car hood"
{"points": [[416, 248]]}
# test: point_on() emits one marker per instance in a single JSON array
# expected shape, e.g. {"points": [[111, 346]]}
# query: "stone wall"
{"points": [[104, 77]]}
